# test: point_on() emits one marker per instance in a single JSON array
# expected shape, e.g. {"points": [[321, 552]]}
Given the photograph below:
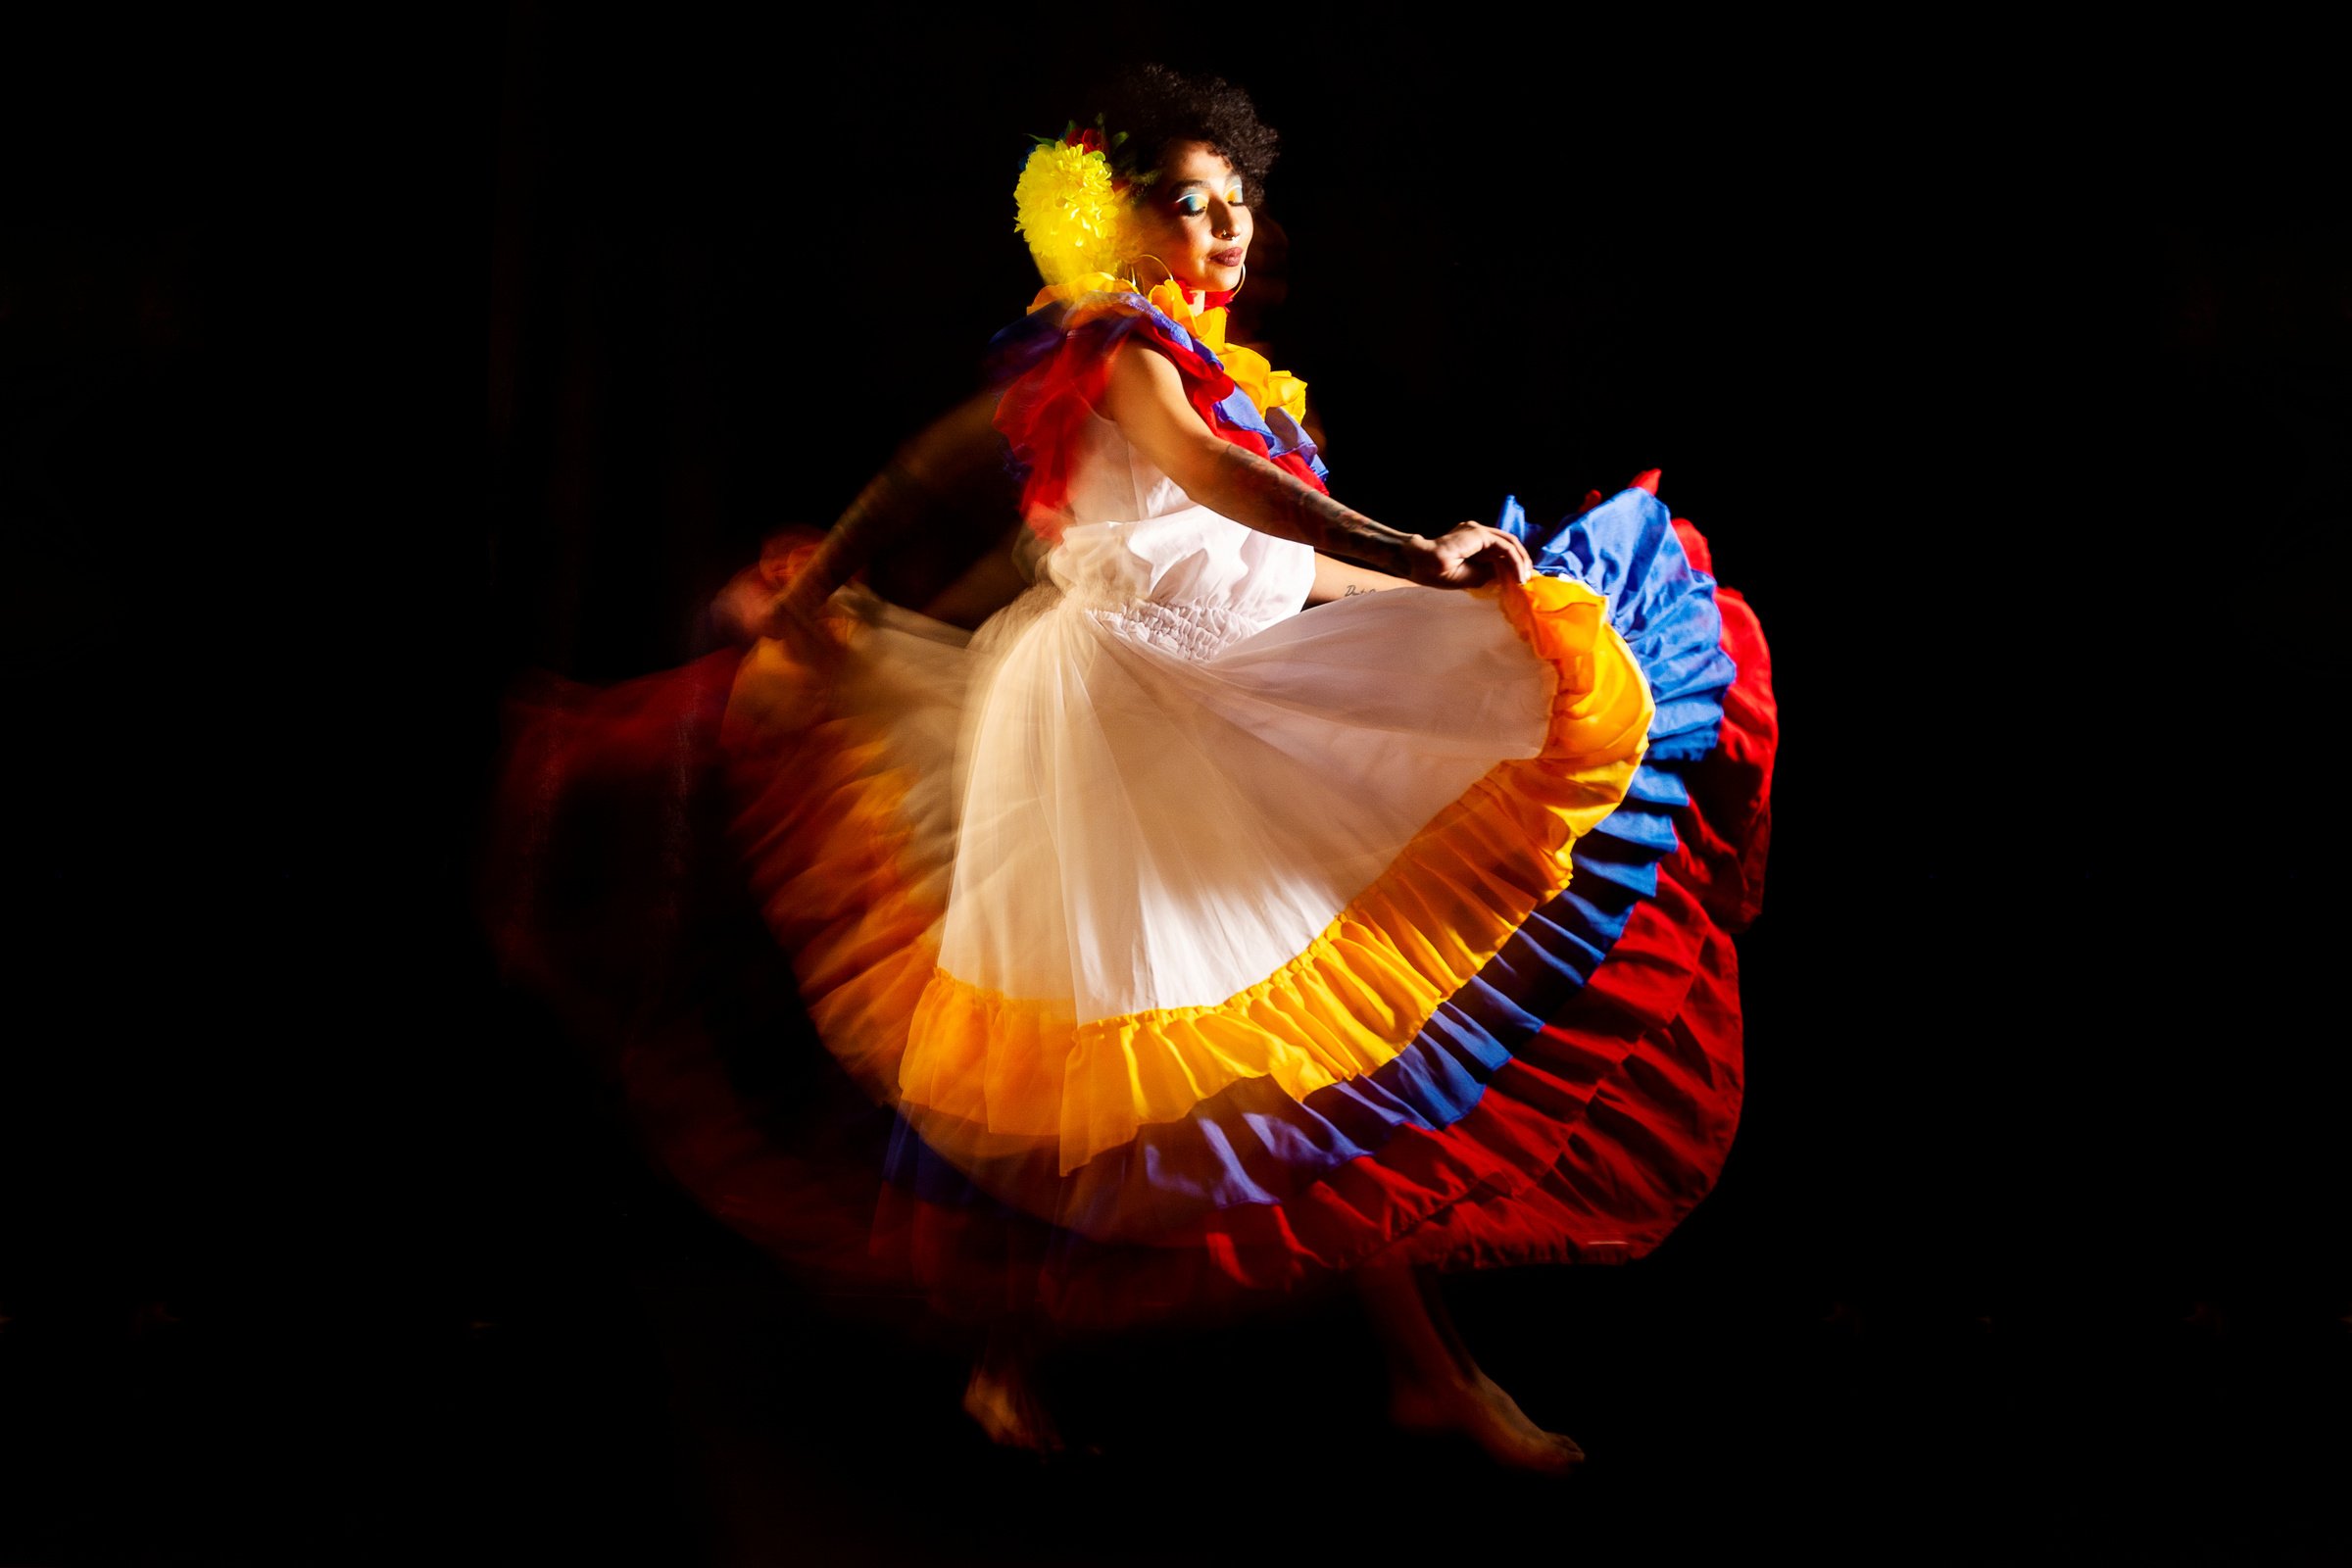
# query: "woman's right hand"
{"points": [[1470, 554]]}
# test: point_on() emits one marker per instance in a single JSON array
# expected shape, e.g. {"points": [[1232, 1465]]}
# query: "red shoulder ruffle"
{"points": [[1043, 410]]}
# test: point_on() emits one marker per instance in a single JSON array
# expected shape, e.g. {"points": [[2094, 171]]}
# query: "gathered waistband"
{"points": [[1192, 631]]}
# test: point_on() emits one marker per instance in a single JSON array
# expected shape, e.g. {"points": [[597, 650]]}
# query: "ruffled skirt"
{"points": [[1397, 931]]}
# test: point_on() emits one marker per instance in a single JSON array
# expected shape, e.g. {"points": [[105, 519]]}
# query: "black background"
{"points": [[350, 375]]}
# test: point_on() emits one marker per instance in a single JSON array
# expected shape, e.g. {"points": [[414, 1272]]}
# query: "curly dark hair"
{"points": [[1156, 106]]}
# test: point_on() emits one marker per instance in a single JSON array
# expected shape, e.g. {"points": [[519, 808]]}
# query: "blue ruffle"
{"points": [[1281, 433]]}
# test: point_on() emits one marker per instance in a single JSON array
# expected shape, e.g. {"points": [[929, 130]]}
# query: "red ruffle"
{"points": [[1727, 835], [611, 892]]}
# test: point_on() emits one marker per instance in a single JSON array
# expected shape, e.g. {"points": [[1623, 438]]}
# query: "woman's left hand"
{"points": [[784, 596], [1470, 554], [740, 612]]}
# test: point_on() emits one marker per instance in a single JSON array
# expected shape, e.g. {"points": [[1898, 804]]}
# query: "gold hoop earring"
{"points": [[1166, 273], [1236, 288]]}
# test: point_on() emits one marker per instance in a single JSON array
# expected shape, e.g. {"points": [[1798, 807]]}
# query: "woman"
{"points": [[1201, 947], [1195, 947]]}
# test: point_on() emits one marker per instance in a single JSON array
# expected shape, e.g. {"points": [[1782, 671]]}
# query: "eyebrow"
{"points": [[1205, 185]]}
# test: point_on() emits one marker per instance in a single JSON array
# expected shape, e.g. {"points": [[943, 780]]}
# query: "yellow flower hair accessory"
{"points": [[1071, 204]]}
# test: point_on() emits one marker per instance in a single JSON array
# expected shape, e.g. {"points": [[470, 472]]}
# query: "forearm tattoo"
{"points": [[1252, 491]]}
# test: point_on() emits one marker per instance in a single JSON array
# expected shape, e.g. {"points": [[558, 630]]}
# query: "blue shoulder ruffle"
{"points": [[1029, 342]]}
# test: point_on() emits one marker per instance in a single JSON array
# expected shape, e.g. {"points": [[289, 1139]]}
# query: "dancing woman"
{"points": [[1217, 944], [1203, 945]]}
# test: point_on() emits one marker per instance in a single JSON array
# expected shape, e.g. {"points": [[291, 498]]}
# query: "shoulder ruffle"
{"points": [[1055, 365]]}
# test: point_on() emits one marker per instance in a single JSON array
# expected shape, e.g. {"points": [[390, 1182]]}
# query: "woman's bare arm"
{"points": [[952, 451], [957, 453], [1146, 399]]}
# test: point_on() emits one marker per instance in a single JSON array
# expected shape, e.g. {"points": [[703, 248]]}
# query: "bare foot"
{"points": [[1007, 1408], [1478, 1408]]}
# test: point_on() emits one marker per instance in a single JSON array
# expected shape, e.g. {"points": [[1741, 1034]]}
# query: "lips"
{"points": [[1227, 258]]}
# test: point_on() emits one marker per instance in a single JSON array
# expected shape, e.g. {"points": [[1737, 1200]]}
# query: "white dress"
{"points": [[1177, 778], [1189, 836]]}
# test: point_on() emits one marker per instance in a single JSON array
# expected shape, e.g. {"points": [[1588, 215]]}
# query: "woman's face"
{"points": [[1194, 219]]}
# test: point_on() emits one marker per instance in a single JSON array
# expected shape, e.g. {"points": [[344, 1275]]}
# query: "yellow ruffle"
{"points": [[1008, 1073]]}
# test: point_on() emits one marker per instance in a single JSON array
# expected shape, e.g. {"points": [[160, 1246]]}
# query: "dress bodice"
{"points": [[1155, 563]]}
